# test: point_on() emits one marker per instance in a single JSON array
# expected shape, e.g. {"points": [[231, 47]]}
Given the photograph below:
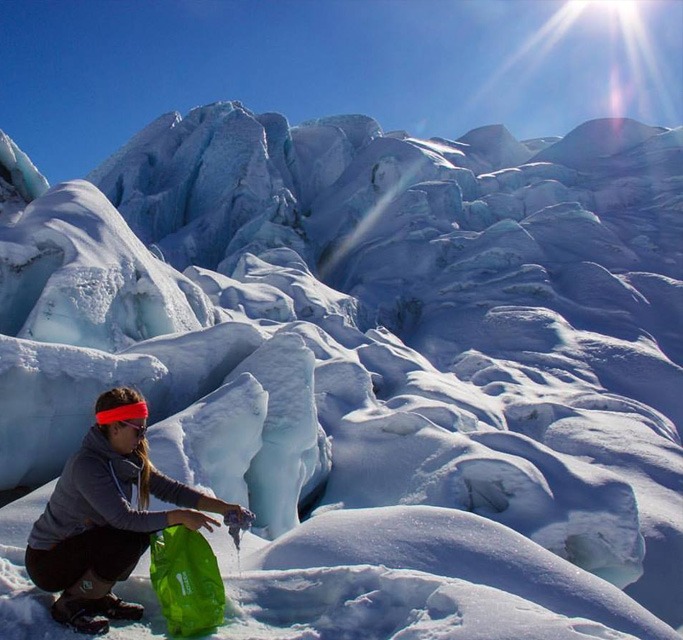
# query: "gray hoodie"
{"points": [[96, 489]]}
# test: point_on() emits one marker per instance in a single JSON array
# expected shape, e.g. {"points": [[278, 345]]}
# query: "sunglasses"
{"points": [[140, 429]]}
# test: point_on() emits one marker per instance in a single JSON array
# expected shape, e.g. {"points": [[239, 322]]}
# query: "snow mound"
{"points": [[311, 300], [495, 148], [457, 545], [376, 602], [348, 601], [212, 443], [198, 361], [594, 140]]}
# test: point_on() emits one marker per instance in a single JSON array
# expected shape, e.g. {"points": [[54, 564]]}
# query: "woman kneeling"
{"points": [[90, 536]]}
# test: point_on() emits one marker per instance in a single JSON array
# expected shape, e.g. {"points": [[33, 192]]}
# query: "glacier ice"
{"points": [[48, 393], [101, 287], [374, 321], [17, 169], [292, 452], [213, 442]]}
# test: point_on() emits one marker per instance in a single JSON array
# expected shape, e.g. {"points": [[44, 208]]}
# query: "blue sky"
{"points": [[79, 78]]}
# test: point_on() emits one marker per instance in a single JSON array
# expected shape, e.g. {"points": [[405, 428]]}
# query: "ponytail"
{"points": [[143, 487]]}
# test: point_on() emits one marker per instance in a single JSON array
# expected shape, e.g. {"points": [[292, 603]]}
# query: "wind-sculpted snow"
{"points": [[352, 601], [439, 371], [466, 547], [502, 476]]}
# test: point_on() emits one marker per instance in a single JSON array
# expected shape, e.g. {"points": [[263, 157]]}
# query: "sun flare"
{"points": [[634, 66], [626, 11]]}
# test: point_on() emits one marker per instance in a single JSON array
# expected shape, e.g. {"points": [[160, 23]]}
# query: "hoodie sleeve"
{"points": [[172, 491], [96, 484]]}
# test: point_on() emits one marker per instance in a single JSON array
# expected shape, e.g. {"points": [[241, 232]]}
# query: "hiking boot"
{"points": [[74, 608], [116, 609], [74, 613]]}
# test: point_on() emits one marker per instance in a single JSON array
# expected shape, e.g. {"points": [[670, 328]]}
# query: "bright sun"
{"points": [[625, 10], [633, 65]]}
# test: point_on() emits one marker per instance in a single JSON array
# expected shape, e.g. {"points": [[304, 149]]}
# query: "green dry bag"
{"points": [[185, 576]]}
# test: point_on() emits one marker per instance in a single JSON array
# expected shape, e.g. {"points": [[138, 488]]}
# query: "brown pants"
{"points": [[111, 553]]}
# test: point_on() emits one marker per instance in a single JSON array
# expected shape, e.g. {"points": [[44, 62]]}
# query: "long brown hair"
{"points": [[119, 397]]}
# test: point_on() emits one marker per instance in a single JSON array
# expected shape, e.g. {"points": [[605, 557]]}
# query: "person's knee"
{"points": [[118, 562], [41, 573]]}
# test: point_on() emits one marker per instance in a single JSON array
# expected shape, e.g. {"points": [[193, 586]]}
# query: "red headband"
{"points": [[126, 412]]}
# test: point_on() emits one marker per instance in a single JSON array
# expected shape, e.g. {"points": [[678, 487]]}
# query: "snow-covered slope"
{"points": [[596, 141], [435, 353]]}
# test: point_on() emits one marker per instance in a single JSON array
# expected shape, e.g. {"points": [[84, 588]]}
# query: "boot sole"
{"points": [[116, 614], [94, 630]]}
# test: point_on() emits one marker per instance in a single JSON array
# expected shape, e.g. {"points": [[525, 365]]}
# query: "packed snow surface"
{"points": [[445, 374]]}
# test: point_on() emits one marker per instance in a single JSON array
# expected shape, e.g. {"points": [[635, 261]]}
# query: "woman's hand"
{"points": [[237, 509], [191, 519], [238, 516], [216, 505]]}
